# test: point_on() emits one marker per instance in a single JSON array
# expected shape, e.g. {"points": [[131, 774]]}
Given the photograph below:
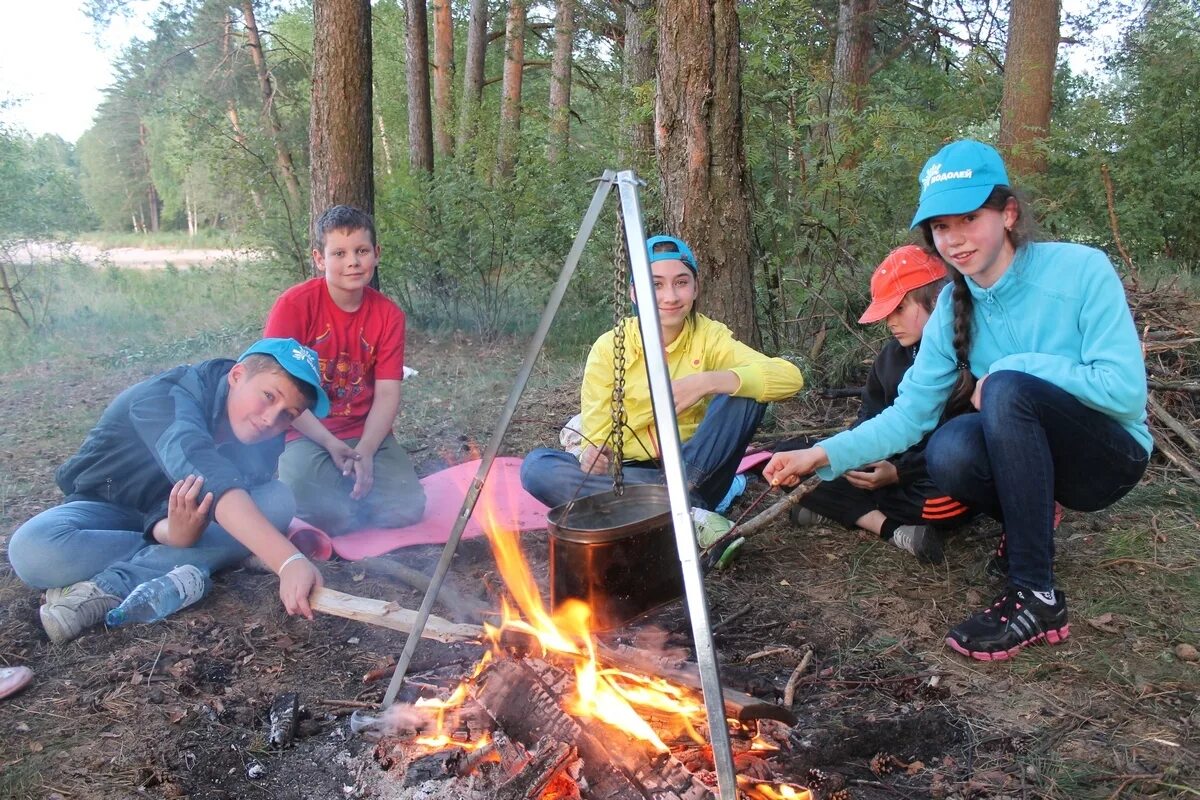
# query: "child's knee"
{"points": [[33, 555]]}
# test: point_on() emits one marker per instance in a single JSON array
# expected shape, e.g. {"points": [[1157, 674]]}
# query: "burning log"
{"points": [[523, 697]]}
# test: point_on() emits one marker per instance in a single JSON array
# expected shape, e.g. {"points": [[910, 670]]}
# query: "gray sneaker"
{"points": [[803, 517], [70, 611], [922, 541]]}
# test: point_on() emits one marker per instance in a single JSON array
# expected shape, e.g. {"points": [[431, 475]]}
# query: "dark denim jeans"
{"points": [[710, 459], [1030, 445], [88, 540]]}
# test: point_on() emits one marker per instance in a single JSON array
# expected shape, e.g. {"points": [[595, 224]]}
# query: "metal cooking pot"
{"points": [[615, 553]]}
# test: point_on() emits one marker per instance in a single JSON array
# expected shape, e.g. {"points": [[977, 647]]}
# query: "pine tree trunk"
{"points": [[560, 80], [507, 140], [420, 123], [283, 156], [701, 159], [1028, 84], [443, 76], [473, 72], [639, 73], [851, 57], [340, 120]]}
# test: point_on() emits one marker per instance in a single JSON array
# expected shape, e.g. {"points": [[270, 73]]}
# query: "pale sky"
{"points": [[51, 67]]}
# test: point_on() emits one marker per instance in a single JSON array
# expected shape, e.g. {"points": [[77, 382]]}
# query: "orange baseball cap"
{"points": [[902, 270]]}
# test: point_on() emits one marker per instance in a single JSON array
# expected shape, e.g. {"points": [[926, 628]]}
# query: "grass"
{"points": [[125, 314]]}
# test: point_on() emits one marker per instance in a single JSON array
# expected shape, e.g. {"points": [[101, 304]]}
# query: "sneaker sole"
{"points": [[56, 629], [1049, 637]]}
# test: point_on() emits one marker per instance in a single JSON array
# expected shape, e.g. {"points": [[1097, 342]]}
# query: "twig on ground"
{"points": [[741, 612], [1112, 562], [789, 693], [770, 651], [332, 701]]}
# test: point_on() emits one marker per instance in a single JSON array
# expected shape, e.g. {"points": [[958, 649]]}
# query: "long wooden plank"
{"points": [[389, 615]]}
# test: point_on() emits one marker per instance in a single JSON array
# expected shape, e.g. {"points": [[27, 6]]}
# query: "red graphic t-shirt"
{"points": [[355, 349]]}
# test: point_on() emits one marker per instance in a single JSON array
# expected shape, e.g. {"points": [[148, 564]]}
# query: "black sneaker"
{"points": [[997, 565], [922, 541], [1016, 619]]}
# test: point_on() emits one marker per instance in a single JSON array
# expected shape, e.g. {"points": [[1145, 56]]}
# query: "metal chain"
{"points": [[620, 303]]}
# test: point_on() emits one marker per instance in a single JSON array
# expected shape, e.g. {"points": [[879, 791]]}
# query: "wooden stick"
{"points": [[389, 615], [1174, 386], [1178, 427], [789, 693], [1177, 458], [777, 510], [1114, 225]]}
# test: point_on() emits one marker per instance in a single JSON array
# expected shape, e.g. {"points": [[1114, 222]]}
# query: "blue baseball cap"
{"points": [[959, 179], [675, 249], [299, 361]]}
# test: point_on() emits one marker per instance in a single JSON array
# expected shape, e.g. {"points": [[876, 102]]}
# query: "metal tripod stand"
{"points": [[626, 184]]}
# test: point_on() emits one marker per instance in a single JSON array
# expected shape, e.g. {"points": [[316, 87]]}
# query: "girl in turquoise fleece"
{"points": [[1039, 340]]}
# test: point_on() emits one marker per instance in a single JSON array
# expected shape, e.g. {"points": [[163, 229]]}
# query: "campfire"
{"points": [[552, 713]]}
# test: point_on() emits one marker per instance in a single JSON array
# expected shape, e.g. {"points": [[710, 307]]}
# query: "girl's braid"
{"points": [[960, 396]]}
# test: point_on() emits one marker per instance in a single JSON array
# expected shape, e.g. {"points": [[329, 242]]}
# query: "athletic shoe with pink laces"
{"points": [[1014, 620]]}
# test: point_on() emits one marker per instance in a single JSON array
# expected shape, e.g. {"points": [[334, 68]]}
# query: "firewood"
{"points": [[389, 615], [456, 603], [1175, 425]]}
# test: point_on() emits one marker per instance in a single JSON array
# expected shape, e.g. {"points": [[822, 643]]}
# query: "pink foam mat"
{"points": [[502, 502]]}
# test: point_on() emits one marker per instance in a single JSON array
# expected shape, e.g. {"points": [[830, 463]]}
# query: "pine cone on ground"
{"points": [[882, 764]]}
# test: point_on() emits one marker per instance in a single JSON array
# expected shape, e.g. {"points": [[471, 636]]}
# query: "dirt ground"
{"points": [[179, 708]]}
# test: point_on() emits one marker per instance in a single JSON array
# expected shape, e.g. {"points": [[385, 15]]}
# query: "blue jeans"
{"points": [[710, 459], [89, 540], [1033, 444]]}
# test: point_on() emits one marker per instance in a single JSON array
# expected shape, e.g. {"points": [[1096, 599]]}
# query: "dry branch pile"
{"points": [[1168, 319]]}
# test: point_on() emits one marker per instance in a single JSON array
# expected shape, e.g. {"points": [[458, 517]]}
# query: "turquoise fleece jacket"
{"points": [[1059, 313]]}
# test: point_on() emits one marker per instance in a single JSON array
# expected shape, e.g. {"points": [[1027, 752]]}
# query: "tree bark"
{"points": [[639, 73], [560, 80], [443, 76], [340, 120], [283, 156], [473, 73], [1028, 84], [420, 122], [507, 140], [851, 56], [701, 158]]}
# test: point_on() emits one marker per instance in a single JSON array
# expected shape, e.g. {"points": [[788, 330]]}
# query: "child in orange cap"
{"points": [[894, 497]]}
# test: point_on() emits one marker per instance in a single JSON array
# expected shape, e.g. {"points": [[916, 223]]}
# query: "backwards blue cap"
{"points": [[958, 179], [676, 250], [299, 361]]}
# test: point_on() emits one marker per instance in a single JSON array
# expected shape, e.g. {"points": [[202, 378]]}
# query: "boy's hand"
{"points": [[595, 460], [364, 476], [788, 467], [343, 456], [296, 582], [187, 517], [874, 476]]}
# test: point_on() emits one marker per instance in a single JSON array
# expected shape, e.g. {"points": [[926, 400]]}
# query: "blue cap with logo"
{"points": [[299, 361], [666, 248], [958, 179]]}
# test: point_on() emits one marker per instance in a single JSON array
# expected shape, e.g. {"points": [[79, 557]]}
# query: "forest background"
{"points": [[781, 138]]}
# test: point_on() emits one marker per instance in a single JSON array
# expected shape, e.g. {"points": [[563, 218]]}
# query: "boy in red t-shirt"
{"points": [[347, 470]]}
